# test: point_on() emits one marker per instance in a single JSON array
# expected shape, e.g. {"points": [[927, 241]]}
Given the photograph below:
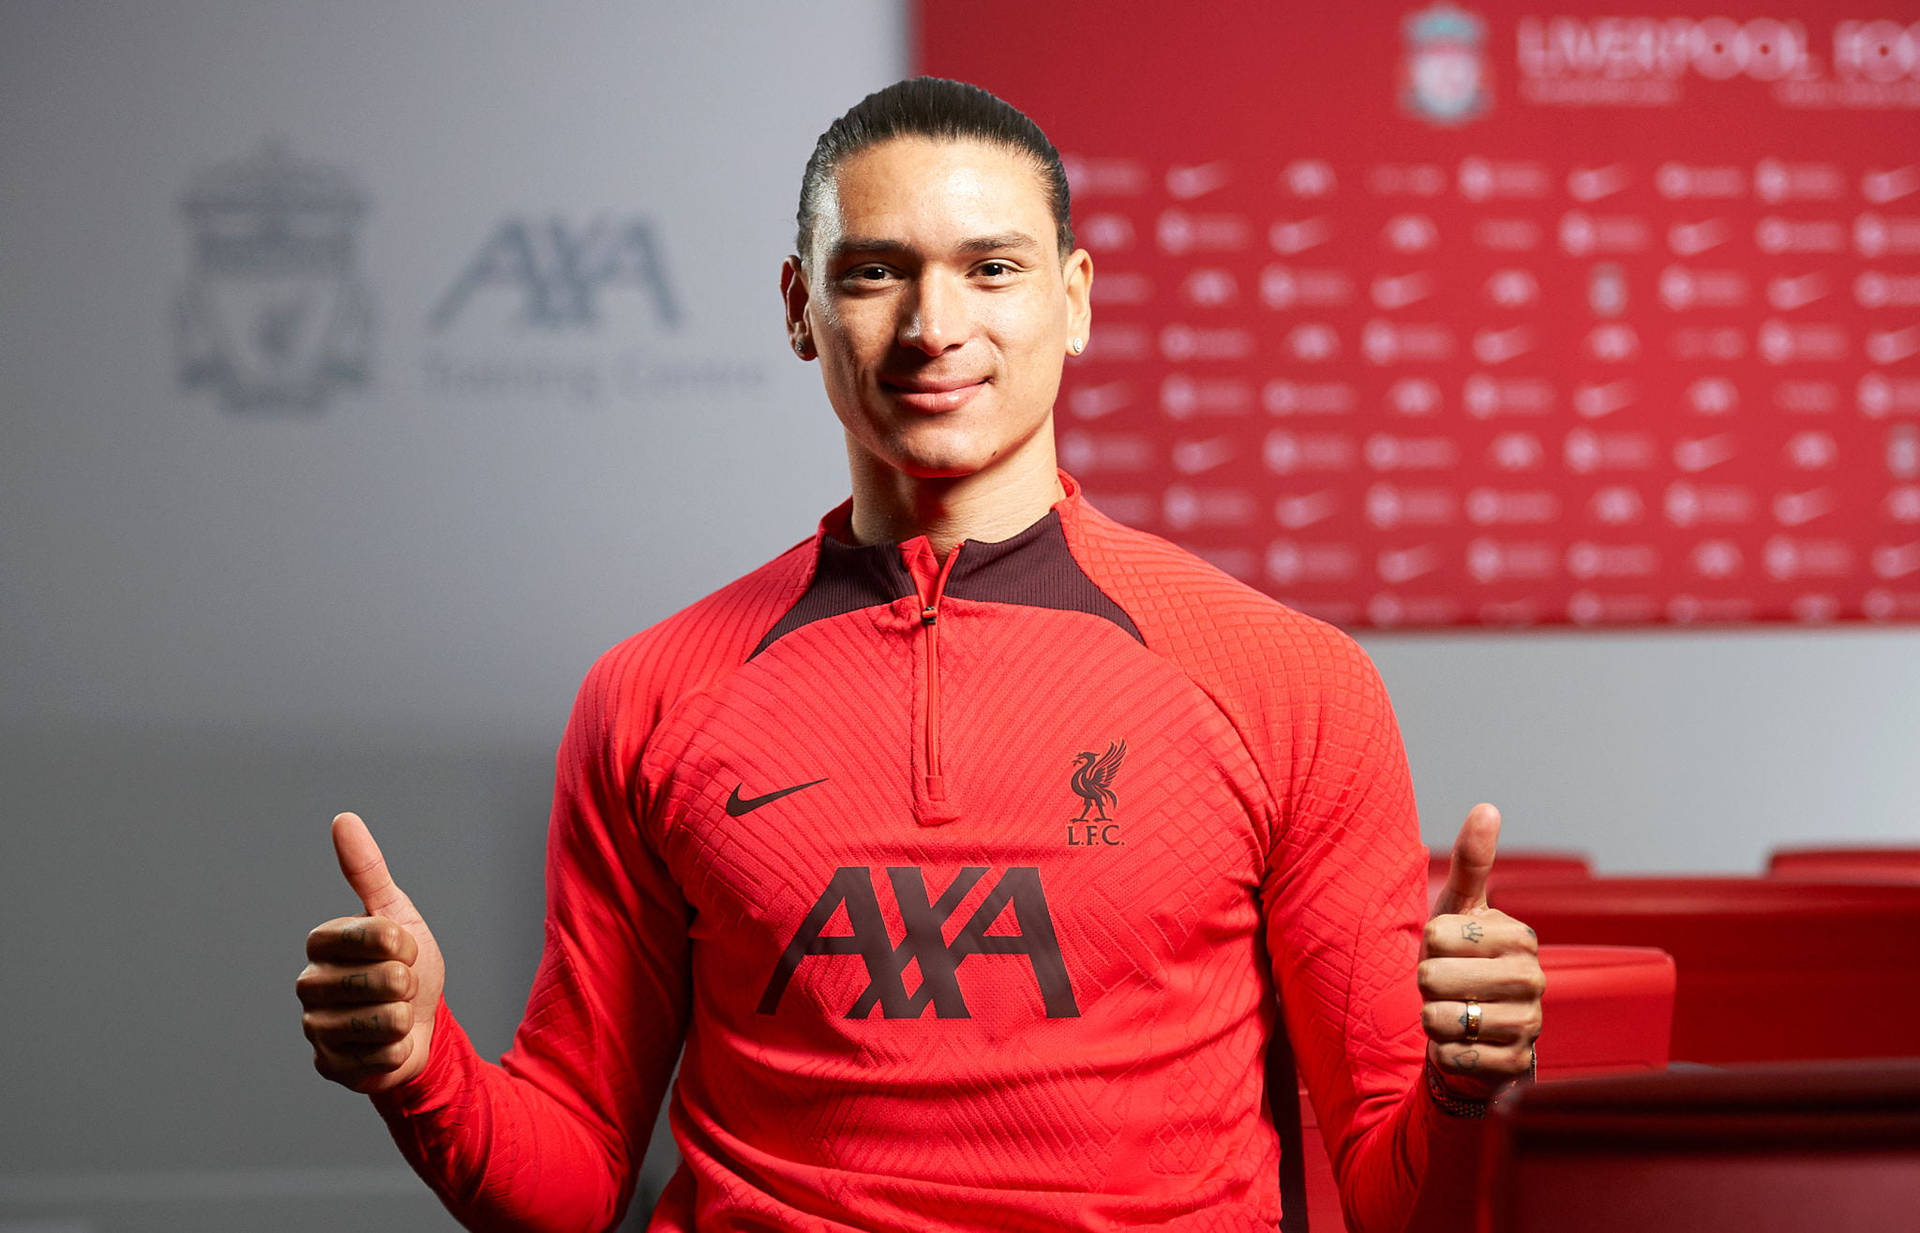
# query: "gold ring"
{"points": [[1472, 1020]]}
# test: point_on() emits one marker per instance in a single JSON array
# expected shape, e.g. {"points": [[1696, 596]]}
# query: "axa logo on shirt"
{"points": [[852, 888]]}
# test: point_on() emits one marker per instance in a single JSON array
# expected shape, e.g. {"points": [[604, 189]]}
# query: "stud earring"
{"points": [[1077, 346], [800, 348]]}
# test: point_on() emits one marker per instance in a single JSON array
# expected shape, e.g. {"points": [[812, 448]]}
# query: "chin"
{"points": [[937, 451]]}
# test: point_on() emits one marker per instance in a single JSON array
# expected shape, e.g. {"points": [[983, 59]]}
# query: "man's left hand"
{"points": [[1480, 974]]}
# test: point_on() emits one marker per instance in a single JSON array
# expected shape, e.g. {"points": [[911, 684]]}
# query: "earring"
{"points": [[1076, 346], [800, 348]]}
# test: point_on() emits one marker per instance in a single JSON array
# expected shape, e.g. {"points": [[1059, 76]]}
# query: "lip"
{"points": [[934, 396]]}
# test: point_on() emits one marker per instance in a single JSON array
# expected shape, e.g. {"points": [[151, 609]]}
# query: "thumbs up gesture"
{"points": [[1480, 974], [372, 982]]}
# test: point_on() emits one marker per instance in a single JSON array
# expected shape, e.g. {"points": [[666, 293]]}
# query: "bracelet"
{"points": [[1451, 1104], [1455, 1105]]}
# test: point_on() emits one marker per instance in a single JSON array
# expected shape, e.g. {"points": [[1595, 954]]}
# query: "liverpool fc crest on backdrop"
{"points": [[1444, 75], [273, 315]]}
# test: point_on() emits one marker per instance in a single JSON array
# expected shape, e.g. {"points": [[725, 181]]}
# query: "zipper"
{"points": [[932, 804]]}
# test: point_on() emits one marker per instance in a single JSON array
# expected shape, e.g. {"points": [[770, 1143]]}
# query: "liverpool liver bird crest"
{"points": [[1093, 779]]}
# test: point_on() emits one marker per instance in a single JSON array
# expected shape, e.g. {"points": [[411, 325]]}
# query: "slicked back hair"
{"points": [[943, 110]]}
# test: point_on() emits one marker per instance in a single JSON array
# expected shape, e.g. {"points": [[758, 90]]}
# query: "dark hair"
{"points": [[944, 110]]}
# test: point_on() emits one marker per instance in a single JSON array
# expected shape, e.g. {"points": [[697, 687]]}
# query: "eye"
{"points": [[867, 275], [997, 269]]}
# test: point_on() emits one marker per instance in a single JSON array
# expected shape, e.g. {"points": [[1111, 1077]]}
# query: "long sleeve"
{"points": [[551, 1137], [1344, 904]]}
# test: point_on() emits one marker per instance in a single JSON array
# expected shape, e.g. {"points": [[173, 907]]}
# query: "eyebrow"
{"points": [[852, 245]]}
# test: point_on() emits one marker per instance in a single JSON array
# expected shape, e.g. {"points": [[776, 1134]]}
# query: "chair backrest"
{"points": [[1758, 1149], [1607, 1009], [1536, 864], [1768, 968], [1846, 864]]}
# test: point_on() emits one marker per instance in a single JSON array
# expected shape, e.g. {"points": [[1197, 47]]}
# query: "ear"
{"points": [[793, 291], [1078, 274]]}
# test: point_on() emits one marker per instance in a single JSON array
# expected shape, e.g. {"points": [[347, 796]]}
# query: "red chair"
{"points": [[1534, 864], [1769, 969], [1608, 1009], [1758, 1149], [1846, 864]]}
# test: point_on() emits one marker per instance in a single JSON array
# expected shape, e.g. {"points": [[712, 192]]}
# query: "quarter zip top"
{"points": [[931, 804]]}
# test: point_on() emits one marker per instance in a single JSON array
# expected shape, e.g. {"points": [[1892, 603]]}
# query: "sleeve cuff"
{"points": [[435, 1085]]}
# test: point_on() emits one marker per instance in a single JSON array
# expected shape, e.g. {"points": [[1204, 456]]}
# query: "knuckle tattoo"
{"points": [[1473, 931]]}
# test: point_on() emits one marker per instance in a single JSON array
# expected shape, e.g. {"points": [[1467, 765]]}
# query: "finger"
{"points": [[1471, 863], [343, 1029], [1489, 933], [1484, 1061], [1501, 1023], [327, 984], [366, 871], [354, 1065], [357, 939], [1509, 978]]}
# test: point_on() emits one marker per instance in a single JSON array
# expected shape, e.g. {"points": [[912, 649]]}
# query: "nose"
{"points": [[934, 318]]}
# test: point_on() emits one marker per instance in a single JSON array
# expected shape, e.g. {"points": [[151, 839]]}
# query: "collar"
{"points": [[1035, 568]]}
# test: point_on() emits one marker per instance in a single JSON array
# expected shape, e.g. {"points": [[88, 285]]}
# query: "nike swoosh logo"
{"points": [[1881, 187], [1896, 561], [738, 805], [1597, 401], [1400, 291], [1193, 457], [1795, 509], [1692, 239], [1890, 346], [1294, 513], [1700, 453], [1787, 294], [1499, 346], [1091, 402], [1406, 564], [1186, 183], [1298, 235], [1593, 183]]}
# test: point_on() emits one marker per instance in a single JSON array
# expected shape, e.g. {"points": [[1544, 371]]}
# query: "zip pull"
{"points": [[930, 614]]}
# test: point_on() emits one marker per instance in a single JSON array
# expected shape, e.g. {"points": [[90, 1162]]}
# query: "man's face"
{"points": [[937, 303]]}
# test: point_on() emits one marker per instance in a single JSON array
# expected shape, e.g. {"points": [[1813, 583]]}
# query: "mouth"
{"points": [[933, 396]]}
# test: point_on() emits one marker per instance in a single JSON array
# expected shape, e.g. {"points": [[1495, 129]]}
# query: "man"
{"points": [[966, 844]]}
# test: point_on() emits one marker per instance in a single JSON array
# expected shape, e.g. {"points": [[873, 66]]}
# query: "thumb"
{"points": [[1471, 863], [366, 871]]}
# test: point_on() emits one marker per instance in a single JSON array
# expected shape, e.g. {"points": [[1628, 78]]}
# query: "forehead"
{"points": [[928, 191]]}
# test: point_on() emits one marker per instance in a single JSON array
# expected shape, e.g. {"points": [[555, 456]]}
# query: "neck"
{"points": [[988, 505]]}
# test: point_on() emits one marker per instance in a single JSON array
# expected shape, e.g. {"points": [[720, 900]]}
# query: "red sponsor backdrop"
{"points": [[1416, 315]]}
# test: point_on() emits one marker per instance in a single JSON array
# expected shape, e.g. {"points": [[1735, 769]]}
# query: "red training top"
{"points": [[970, 890]]}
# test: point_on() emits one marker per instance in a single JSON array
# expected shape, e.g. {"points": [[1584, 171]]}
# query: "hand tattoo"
{"points": [[1473, 931], [1467, 1059]]}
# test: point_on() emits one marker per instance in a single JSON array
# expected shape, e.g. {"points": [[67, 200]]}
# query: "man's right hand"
{"points": [[372, 982]]}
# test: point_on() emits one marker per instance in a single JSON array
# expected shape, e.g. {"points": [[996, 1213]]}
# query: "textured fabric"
{"points": [[971, 905]]}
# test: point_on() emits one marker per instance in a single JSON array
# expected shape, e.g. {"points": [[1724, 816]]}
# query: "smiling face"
{"points": [[938, 305]]}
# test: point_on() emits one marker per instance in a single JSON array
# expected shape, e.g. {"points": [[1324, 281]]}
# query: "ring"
{"points": [[1472, 1020]]}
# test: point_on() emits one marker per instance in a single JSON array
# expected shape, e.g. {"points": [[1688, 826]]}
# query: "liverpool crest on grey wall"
{"points": [[274, 315]]}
